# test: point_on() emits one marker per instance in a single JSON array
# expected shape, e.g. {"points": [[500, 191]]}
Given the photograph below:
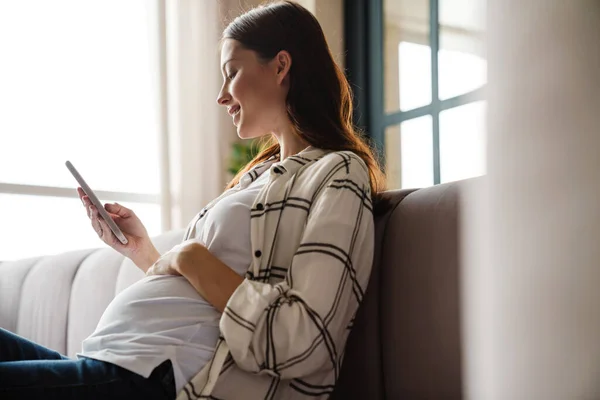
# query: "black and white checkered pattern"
{"points": [[285, 327]]}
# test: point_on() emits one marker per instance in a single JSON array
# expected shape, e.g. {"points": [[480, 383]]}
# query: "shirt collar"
{"points": [[289, 165]]}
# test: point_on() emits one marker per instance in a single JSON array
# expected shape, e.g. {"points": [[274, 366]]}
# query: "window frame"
{"points": [[157, 28], [159, 31], [364, 38]]}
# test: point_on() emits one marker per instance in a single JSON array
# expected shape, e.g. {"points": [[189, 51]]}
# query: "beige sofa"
{"points": [[405, 343]]}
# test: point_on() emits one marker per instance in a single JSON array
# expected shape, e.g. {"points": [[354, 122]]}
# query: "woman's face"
{"points": [[254, 92]]}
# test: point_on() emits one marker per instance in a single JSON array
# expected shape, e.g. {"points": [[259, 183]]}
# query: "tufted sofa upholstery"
{"points": [[57, 300]]}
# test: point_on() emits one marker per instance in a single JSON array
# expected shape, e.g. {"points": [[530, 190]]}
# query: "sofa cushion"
{"points": [[45, 294], [12, 276]]}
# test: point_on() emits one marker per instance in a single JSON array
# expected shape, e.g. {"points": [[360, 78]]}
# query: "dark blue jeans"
{"points": [[31, 371]]}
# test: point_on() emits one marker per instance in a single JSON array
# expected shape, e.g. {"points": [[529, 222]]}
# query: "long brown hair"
{"points": [[319, 101]]}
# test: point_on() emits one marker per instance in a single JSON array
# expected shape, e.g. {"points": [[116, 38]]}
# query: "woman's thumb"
{"points": [[118, 209]]}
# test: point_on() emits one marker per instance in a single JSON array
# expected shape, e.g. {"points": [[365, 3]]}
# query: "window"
{"points": [[78, 84], [419, 68]]}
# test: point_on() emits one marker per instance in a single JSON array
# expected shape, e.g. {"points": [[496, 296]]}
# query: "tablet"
{"points": [[90, 193]]}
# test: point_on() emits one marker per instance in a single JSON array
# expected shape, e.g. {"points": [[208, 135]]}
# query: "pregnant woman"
{"points": [[258, 299]]}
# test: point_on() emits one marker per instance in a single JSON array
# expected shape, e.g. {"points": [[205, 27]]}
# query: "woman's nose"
{"points": [[223, 98]]}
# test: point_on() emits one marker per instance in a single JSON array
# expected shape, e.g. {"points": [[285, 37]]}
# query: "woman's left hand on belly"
{"points": [[211, 278], [167, 264], [162, 267]]}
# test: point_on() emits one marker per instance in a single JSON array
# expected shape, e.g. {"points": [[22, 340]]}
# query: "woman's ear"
{"points": [[283, 63]]}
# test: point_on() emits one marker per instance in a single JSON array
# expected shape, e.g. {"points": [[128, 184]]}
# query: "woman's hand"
{"points": [[211, 278], [164, 265], [170, 262], [191, 254], [139, 247]]}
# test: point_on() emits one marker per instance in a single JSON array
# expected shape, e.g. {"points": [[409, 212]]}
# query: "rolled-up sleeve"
{"points": [[300, 325]]}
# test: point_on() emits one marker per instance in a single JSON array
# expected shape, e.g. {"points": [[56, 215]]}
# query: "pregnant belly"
{"points": [[158, 308], [156, 318]]}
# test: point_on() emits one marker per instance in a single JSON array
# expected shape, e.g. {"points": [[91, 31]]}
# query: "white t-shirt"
{"points": [[162, 316]]}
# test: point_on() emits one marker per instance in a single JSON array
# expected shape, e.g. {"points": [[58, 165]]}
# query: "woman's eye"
{"points": [[232, 75]]}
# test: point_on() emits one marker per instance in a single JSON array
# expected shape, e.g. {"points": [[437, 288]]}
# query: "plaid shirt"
{"points": [[285, 327]]}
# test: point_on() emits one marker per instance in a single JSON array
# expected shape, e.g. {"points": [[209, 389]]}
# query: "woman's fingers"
{"points": [[82, 196], [100, 226], [96, 225], [107, 234], [86, 201], [118, 209]]}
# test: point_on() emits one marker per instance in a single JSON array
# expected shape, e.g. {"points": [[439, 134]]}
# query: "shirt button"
{"points": [[258, 253], [260, 207]]}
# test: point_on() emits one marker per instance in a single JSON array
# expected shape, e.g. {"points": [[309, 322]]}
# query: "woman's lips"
{"points": [[233, 110]]}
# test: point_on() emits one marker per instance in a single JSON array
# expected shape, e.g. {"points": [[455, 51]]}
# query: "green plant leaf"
{"points": [[241, 154]]}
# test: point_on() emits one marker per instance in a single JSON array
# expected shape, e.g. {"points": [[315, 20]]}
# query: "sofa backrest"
{"points": [[405, 343]]}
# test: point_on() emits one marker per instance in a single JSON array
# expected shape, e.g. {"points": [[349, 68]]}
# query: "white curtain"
{"points": [[197, 133]]}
